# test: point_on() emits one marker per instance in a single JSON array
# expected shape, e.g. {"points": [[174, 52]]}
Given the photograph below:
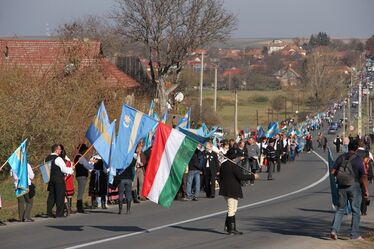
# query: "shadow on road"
{"points": [[208, 230], [316, 210], [120, 228], [107, 228], [68, 228], [297, 225]]}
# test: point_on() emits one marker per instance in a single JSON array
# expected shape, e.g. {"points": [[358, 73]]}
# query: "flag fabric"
{"points": [[273, 129], [260, 132], [18, 163], [184, 122], [45, 170], [202, 135], [170, 156], [99, 126], [151, 108], [164, 117], [112, 170], [103, 143], [133, 127], [333, 187]]}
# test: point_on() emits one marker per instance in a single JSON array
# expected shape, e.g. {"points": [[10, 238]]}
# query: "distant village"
{"points": [[270, 64]]}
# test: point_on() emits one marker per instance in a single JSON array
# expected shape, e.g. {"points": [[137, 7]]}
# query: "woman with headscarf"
{"points": [[231, 176]]}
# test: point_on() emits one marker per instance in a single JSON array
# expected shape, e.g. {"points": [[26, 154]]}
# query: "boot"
{"points": [[230, 225], [135, 196], [120, 207], [226, 223], [128, 208], [234, 231], [93, 203], [70, 201], [103, 203], [80, 207]]}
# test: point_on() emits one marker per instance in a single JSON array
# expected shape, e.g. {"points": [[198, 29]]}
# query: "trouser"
{"points": [[24, 207], [124, 186], [354, 196], [209, 179], [232, 206], [278, 164], [270, 169], [138, 180], [82, 180], [56, 196], [193, 177], [253, 166]]}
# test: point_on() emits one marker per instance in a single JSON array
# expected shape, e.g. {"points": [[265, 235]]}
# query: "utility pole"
{"points": [[236, 113], [285, 108], [256, 118], [201, 83], [344, 121], [268, 116], [215, 89], [359, 125], [368, 110]]}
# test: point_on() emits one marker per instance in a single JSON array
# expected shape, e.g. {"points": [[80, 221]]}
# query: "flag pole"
{"points": [[2, 166], [250, 172], [88, 150]]}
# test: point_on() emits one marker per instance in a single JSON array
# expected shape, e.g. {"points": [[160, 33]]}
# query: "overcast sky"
{"points": [[256, 18]]}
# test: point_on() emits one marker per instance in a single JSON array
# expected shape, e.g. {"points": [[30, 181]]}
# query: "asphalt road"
{"points": [[292, 211], [288, 212]]}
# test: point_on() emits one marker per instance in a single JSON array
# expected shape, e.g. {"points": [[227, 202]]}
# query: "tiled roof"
{"points": [[42, 56]]}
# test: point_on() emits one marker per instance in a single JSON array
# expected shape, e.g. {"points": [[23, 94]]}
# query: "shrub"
{"points": [[261, 99]]}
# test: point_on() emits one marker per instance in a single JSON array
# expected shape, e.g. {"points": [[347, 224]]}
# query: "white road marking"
{"points": [[209, 215]]}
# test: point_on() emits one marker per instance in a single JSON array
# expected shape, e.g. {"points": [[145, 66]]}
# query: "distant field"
{"points": [[248, 103]]}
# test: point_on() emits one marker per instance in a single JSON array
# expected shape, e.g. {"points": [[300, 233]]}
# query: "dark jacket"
{"points": [[213, 161], [98, 180], [194, 163], [80, 170], [230, 177]]}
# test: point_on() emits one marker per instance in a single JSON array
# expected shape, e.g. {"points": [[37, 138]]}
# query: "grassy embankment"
{"points": [[251, 101]]}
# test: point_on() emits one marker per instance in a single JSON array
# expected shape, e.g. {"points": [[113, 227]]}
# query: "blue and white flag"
{"points": [[18, 163], [99, 126], [133, 127], [164, 117], [184, 122], [260, 132], [333, 185], [45, 169], [273, 129], [103, 144], [151, 108]]}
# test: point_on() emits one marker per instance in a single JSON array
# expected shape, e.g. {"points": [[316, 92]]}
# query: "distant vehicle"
{"points": [[354, 103], [333, 128]]}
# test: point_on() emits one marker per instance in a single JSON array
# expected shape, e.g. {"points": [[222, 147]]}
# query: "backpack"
{"points": [[345, 174]]}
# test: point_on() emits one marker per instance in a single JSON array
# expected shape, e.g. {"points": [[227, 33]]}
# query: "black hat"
{"points": [[231, 153], [82, 148]]}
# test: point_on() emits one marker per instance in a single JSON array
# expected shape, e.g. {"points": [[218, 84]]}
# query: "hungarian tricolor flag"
{"points": [[171, 153]]}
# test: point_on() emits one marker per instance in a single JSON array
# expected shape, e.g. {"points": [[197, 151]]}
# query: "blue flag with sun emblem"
{"points": [[133, 127], [18, 163]]}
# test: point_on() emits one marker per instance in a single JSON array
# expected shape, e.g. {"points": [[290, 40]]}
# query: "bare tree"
{"points": [[95, 28], [169, 31], [322, 76]]}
